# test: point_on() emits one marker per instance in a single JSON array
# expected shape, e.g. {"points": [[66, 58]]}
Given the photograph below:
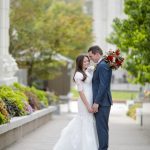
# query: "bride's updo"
{"points": [[79, 66]]}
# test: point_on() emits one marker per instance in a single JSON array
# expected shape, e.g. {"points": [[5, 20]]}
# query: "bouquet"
{"points": [[114, 59]]}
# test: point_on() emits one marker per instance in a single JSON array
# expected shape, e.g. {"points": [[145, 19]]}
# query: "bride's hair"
{"points": [[79, 66]]}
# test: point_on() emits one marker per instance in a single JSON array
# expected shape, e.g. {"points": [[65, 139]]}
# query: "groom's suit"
{"points": [[102, 96]]}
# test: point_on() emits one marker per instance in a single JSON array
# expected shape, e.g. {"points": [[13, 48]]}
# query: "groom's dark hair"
{"points": [[95, 49]]}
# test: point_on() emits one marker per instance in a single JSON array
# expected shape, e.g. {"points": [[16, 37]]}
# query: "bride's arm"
{"points": [[79, 84], [83, 98]]}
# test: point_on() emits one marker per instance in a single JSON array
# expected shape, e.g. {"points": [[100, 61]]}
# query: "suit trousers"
{"points": [[102, 118]]}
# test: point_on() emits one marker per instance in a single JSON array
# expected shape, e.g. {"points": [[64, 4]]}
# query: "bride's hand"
{"points": [[90, 109]]}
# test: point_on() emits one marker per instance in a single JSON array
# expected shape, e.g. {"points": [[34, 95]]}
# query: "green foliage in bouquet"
{"points": [[14, 101], [4, 116]]}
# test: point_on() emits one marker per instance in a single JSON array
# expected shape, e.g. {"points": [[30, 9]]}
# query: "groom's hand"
{"points": [[95, 107]]}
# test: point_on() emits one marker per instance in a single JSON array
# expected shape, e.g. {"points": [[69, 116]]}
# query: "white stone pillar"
{"points": [[115, 9], [100, 22], [8, 66]]}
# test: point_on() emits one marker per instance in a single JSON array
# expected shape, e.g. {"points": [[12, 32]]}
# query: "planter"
{"points": [[19, 126]]}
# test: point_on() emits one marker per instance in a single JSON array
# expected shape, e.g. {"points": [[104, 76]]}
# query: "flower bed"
{"points": [[19, 100], [20, 126]]}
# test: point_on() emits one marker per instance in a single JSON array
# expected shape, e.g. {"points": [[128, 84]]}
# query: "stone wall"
{"points": [[20, 126]]}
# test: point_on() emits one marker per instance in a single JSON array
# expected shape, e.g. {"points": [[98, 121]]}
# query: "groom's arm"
{"points": [[103, 73]]}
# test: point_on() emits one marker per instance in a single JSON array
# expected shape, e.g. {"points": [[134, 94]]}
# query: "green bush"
{"points": [[14, 101], [4, 116], [37, 95], [3, 119], [18, 100], [33, 100], [41, 96], [132, 110]]}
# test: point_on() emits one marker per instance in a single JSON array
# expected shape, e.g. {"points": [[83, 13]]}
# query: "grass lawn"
{"points": [[116, 95], [123, 95]]}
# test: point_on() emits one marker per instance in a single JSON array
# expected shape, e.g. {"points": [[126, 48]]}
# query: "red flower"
{"points": [[118, 62], [117, 52], [110, 58]]}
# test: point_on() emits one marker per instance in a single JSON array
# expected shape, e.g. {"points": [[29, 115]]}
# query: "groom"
{"points": [[101, 95]]}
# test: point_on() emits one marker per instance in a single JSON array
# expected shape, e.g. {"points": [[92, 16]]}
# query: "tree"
{"points": [[132, 35], [42, 28], [70, 30]]}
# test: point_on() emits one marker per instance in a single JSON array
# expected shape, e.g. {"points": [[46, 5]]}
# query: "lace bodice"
{"points": [[86, 87], [79, 77]]}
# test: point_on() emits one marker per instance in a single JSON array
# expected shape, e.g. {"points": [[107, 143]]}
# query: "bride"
{"points": [[80, 133]]}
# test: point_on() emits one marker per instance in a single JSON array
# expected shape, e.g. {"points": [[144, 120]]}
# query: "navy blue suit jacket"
{"points": [[101, 84]]}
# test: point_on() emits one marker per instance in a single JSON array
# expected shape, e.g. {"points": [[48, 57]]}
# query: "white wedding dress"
{"points": [[80, 133]]}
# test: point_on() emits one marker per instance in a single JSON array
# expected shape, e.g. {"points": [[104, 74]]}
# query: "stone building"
{"points": [[103, 12], [8, 66]]}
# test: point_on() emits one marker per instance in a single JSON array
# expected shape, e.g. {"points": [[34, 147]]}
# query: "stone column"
{"points": [[8, 66], [100, 22], [115, 9]]}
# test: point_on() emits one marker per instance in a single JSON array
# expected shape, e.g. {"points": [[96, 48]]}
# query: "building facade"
{"points": [[103, 12], [8, 66]]}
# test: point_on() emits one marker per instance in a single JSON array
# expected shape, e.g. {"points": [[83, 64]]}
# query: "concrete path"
{"points": [[125, 134]]}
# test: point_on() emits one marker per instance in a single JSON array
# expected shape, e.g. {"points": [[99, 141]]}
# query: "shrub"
{"points": [[41, 96], [2, 119], [13, 100], [132, 110], [4, 116], [35, 96], [33, 100], [18, 100], [28, 108]]}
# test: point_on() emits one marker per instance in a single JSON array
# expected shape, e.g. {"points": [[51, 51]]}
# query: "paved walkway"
{"points": [[125, 134]]}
